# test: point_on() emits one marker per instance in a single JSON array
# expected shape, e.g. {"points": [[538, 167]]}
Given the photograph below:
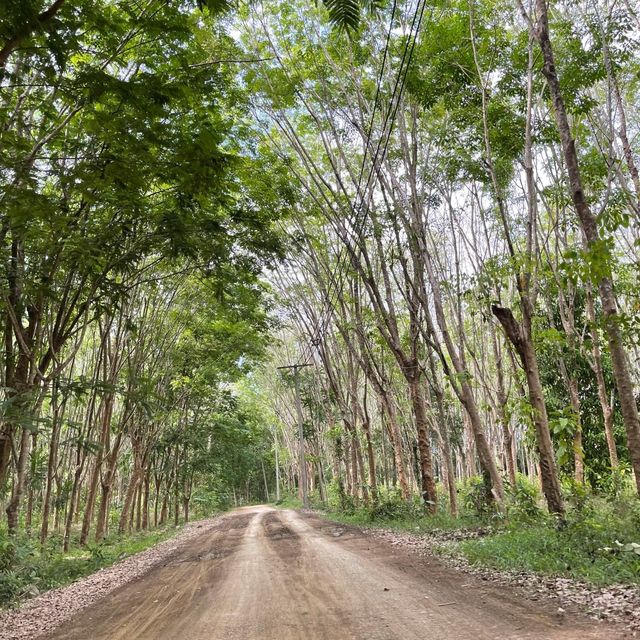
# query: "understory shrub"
{"points": [[26, 568], [595, 543], [523, 500], [476, 496]]}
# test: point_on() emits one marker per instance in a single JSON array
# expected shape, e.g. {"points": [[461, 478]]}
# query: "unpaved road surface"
{"points": [[268, 574]]}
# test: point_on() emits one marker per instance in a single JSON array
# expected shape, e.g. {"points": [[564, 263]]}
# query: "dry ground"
{"points": [[268, 574]]}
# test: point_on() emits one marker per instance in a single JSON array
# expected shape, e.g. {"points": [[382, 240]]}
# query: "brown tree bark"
{"points": [[603, 395], [13, 507], [503, 415], [428, 484], [521, 340], [589, 226], [106, 483], [26, 30], [442, 432], [51, 464], [130, 494], [145, 502]]}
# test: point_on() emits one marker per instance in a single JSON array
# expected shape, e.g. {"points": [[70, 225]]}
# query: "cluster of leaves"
{"points": [[597, 542], [26, 568]]}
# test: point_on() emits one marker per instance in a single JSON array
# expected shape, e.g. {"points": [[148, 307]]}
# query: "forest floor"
{"points": [[270, 574]]}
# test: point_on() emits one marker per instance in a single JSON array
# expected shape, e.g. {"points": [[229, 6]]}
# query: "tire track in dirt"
{"points": [[154, 603], [268, 574]]}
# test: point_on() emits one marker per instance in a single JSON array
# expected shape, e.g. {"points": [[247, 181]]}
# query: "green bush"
{"points": [[523, 500], [618, 483], [391, 506], [27, 569], [583, 548], [476, 497], [338, 499]]}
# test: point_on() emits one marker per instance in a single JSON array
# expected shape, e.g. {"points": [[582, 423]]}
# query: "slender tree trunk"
{"points": [[503, 414], [145, 502], [106, 485], [139, 506], [521, 340], [92, 494], [51, 464], [445, 442], [463, 390], [589, 225], [371, 460], [428, 485], [156, 502], [13, 508], [75, 496], [185, 510], [603, 396], [165, 506], [124, 525], [578, 450], [396, 443]]}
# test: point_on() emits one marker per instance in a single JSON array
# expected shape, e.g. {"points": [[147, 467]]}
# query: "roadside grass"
{"points": [[288, 502], [27, 568], [416, 523], [597, 542]]}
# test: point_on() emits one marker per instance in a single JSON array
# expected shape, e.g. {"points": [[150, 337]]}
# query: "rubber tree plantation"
{"points": [[380, 260]]}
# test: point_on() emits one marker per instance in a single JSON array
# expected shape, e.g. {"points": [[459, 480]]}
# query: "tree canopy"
{"points": [[433, 207]]}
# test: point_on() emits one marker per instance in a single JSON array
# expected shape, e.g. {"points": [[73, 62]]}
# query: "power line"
{"points": [[356, 207], [375, 101], [323, 324]]}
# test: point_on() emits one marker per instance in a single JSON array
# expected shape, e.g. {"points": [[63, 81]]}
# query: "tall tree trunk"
{"points": [[371, 460], [460, 384], [503, 414], [31, 493], [106, 485], [589, 226], [13, 508], [92, 494], [396, 443], [125, 514], [428, 485], [165, 506], [603, 396], [52, 459], [445, 441], [75, 496], [578, 450], [521, 340], [145, 501], [139, 507]]}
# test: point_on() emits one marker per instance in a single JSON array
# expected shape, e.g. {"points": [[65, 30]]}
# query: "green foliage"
{"points": [[338, 499], [551, 345], [618, 483], [584, 548], [476, 497], [27, 569], [391, 506], [524, 501], [345, 14]]}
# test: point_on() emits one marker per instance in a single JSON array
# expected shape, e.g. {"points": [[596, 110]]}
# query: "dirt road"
{"points": [[269, 574]]}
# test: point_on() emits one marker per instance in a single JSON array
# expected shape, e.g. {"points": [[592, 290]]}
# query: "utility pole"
{"points": [[303, 466], [275, 441]]}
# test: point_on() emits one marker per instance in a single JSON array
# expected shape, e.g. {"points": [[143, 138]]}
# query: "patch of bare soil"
{"points": [[266, 574], [616, 603], [40, 615]]}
